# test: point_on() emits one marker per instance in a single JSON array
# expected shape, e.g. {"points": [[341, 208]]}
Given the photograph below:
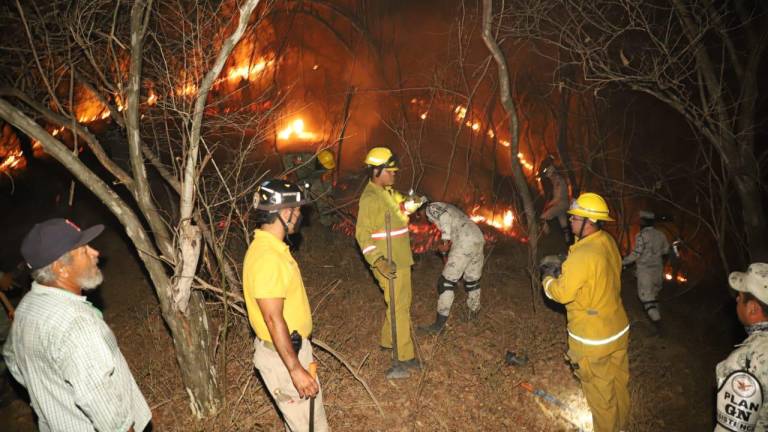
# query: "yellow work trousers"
{"points": [[403, 296], [605, 381]]}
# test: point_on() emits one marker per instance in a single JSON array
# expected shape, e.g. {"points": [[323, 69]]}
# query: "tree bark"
{"points": [[562, 139], [508, 103], [189, 332]]}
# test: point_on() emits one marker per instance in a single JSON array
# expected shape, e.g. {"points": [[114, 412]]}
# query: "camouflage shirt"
{"points": [[742, 384], [650, 247]]}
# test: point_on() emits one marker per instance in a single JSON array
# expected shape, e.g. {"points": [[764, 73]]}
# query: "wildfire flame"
{"points": [[502, 221], [152, 98], [460, 116], [247, 72], [680, 277], [295, 130], [89, 108], [425, 235], [13, 161], [243, 70]]}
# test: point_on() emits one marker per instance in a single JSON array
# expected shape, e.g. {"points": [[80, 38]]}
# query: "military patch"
{"points": [[738, 401]]}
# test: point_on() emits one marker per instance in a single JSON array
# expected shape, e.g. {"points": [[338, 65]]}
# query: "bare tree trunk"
{"points": [[508, 103], [344, 122], [190, 333], [562, 138], [188, 325]]}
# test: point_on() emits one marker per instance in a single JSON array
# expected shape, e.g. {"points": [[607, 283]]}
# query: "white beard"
{"points": [[91, 281]]}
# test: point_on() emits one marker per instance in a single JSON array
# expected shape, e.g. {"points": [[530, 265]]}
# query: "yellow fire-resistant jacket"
{"points": [[590, 288], [369, 231]]}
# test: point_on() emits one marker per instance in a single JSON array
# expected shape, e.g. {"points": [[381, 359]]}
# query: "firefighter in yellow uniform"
{"points": [[377, 199], [589, 285]]}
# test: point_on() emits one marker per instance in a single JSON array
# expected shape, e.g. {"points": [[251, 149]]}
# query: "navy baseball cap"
{"points": [[48, 241]]}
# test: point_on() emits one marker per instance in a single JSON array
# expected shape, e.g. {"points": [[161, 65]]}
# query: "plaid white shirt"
{"points": [[66, 356]]}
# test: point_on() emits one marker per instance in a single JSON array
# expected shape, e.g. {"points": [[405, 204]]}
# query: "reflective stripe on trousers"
{"points": [[595, 342]]}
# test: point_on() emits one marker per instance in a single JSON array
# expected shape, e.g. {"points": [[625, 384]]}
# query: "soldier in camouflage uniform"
{"points": [[742, 378], [465, 258], [314, 170], [557, 207], [651, 246]]}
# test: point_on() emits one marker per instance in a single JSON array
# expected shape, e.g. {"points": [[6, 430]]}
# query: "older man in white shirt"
{"points": [[60, 348]]}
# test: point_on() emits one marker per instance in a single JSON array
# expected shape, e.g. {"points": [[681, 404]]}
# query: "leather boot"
{"points": [[434, 328]]}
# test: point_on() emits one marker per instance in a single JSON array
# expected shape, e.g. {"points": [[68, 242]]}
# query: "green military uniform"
{"points": [[371, 236], [307, 169]]}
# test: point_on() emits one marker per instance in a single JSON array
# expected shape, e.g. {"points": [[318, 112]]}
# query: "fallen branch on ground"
{"points": [[325, 347]]}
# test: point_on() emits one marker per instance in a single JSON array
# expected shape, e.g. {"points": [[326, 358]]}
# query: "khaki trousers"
{"points": [[605, 381], [278, 381], [403, 296]]}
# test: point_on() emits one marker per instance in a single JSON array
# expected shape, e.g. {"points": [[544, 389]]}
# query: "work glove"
{"points": [[551, 265], [549, 270], [413, 202], [386, 268]]}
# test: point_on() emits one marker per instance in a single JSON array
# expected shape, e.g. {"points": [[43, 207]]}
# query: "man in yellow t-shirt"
{"points": [[278, 308]]}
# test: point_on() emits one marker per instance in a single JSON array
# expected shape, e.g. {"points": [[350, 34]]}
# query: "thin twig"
{"points": [[333, 285], [325, 347]]}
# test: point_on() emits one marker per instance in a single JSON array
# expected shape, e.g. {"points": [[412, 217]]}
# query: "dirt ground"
{"points": [[465, 384]]}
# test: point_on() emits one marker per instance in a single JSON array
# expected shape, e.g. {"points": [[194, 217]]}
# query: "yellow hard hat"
{"points": [[591, 206], [381, 157], [326, 159]]}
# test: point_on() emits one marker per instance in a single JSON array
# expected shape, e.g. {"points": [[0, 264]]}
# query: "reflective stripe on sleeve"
{"points": [[546, 287], [369, 249], [395, 233], [593, 342]]}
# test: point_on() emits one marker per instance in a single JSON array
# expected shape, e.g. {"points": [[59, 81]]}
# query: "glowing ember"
{"points": [[461, 113], [152, 98], [423, 116], [295, 130]]}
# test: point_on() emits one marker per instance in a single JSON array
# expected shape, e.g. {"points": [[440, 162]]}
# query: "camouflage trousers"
{"points": [[649, 283], [464, 260]]}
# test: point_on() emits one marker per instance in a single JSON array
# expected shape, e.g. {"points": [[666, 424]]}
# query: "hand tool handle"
{"points": [[313, 373], [391, 286]]}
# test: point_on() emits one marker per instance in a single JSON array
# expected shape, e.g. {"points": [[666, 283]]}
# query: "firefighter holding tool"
{"points": [[388, 253]]}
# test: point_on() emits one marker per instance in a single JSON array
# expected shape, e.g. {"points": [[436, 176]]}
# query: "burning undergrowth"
{"points": [[496, 224]]}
